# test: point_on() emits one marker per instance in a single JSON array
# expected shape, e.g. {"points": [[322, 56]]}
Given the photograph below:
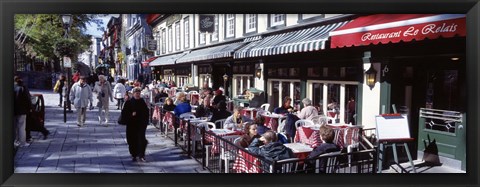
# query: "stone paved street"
{"points": [[95, 148]]}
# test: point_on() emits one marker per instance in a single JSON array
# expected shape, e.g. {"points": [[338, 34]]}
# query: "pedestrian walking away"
{"points": [[119, 92], [81, 95], [136, 113], [104, 93], [22, 105]]}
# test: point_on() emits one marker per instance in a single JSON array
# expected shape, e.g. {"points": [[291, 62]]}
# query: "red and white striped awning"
{"points": [[386, 28]]}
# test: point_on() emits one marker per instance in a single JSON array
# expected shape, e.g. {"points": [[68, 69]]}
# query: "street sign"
{"points": [[67, 62], [152, 45]]}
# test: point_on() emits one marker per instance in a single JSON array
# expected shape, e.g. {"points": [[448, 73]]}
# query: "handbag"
{"points": [[121, 120]]}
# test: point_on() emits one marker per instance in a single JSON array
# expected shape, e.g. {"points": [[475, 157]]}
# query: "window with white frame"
{"points": [[164, 41], [215, 33], [204, 79], [182, 80], [250, 23], [241, 82], [157, 38], [177, 36], [186, 31], [281, 88], [202, 38], [277, 19], [230, 25], [170, 39], [335, 99]]}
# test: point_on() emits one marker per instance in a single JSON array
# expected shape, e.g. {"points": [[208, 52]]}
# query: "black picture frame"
{"points": [[9, 8]]}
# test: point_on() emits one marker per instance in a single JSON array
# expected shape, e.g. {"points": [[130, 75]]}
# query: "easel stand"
{"points": [[392, 129], [393, 143]]}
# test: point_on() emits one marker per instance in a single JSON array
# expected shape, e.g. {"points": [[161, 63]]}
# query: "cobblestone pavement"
{"points": [[95, 148]]}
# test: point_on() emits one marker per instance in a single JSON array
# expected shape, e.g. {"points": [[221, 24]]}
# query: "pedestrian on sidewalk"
{"points": [[59, 88], [81, 95], [119, 92], [22, 105], [136, 112], [104, 92]]}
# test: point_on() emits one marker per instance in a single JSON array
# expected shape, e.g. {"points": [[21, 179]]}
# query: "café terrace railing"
{"points": [[221, 155], [226, 157]]}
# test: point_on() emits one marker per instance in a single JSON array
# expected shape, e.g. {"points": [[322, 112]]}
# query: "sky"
{"points": [[92, 29]]}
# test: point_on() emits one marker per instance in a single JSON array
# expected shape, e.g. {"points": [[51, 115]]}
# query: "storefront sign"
{"points": [[207, 23], [152, 45], [391, 30]]}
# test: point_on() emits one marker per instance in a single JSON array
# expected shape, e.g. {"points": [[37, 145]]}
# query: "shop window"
{"points": [[241, 83], [442, 90], [282, 88], [332, 99], [314, 72], [182, 80]]}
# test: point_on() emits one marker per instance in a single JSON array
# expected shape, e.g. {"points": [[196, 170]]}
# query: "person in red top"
{"points": [[76, 76]]}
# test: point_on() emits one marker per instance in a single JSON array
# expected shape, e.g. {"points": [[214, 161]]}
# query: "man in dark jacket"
{"points": [[22, 104], [220, 112], [271, 149], [326, 135], [218, 97], [136, 112]]}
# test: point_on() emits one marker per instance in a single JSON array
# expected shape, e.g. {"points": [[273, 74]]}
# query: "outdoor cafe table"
{"points": [[221, 133], [272, 121], [300, 150], [249, 112], [344, 135]]}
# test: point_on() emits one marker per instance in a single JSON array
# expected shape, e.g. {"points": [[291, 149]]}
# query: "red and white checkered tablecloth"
{"points": [[156, 113], [211, 139], [246, 163], [272, 121], [344, 135], [169, 119], [249, 112], [307, 136]]}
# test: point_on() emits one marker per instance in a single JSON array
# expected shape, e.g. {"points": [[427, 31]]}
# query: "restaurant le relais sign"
{"points": [[384, 31]]}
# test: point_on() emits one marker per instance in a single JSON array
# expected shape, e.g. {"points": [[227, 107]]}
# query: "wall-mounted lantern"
{"points": [[371, 73], [258, 72]]}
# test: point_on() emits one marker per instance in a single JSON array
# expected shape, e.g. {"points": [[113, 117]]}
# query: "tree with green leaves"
{"points": [[41, 36]]}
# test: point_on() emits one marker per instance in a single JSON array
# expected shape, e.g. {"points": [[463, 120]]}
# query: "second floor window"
{"points": [[177, 36], [202, 38], [230, 25], [186, 30], [277, 19], [170, 39], [215, 33], [250, 23], [164, 41]]}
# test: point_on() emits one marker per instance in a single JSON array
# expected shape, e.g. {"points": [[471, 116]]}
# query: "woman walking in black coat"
{"points": [[136, 112]]}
